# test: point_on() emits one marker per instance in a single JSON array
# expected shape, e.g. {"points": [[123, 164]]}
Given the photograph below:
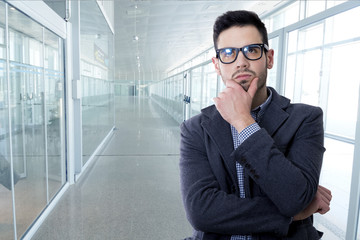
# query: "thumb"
{"points": [[253, 87]]}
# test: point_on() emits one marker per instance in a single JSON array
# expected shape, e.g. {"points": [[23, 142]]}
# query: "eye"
{"points": [[228, 53], [253, 49]]}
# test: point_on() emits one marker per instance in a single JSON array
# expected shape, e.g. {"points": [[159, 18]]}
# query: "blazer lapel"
{"points": [[275, 113], [220, 133]]}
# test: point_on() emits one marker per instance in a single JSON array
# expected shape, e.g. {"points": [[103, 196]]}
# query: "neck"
{"points": [[260, 97]]}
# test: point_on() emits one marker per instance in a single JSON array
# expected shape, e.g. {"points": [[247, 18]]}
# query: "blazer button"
{"points": [[233, 189], [256, 176], [243, 160]]}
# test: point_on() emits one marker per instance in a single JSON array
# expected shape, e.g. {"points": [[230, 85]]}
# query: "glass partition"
{"points": [[321, 65], [54, 95], [28, 117], [196, 92], [178, 98], [97, 77], [273, 78], [209, 86], [32, 132], [6, 201]]}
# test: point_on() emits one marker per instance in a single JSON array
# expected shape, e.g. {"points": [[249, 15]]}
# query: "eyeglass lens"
{"points": [[251, 52]]}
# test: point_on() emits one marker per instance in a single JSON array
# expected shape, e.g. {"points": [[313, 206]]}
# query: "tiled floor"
{"points": [[131, 191]]}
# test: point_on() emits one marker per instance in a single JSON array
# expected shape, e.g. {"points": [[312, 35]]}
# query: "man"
{"points": [[250, 165]]}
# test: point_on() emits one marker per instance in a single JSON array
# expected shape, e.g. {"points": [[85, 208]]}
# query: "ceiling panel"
{"points": [[169, 33]]}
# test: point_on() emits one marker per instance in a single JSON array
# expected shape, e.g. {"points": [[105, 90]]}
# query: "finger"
{"points": [[323, 209], [230, 83], [253, 87], [324, 189], [325, 192], [323, 206], [325, 198]]}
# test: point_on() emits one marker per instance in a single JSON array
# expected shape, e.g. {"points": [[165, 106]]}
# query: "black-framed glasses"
{"points": [[251, 52]]}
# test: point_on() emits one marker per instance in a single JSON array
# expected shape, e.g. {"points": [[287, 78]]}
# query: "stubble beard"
{"points": [[246, 84]]}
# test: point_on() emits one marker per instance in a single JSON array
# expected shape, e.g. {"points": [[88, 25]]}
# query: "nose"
{"points": [[241, 61]]}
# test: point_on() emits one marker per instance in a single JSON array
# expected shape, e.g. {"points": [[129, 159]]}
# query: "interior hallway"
{"points": [[131, 190]]}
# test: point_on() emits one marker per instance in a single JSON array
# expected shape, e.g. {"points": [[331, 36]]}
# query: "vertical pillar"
{"points": [[76, 88], [353, 213]]}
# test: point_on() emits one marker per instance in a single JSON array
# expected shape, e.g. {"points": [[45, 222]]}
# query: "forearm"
{"points": [[210, 209], [288, 174], [210, 204]]}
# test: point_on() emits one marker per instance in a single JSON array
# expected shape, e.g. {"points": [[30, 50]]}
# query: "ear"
{"points": [[216, 65], [270, 58]]}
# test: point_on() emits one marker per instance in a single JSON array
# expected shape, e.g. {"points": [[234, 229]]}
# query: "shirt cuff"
{"points": [[248, 131]]}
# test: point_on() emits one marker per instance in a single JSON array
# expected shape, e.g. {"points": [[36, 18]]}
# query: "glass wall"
{"points": [[169, 95], [97, 77], [32, 132], [185, 94], [196, 81], [6, 203], [320, 60]]}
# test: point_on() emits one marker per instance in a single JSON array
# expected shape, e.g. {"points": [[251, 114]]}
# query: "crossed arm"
{"points": [[211, 209], [320, 204], [234, 104]]}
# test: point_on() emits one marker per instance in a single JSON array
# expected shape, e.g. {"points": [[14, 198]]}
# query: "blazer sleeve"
{"points": [[287, 165], [208, 206]]}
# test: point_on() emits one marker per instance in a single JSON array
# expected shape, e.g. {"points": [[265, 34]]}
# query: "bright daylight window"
{"points": [[322, 70]]}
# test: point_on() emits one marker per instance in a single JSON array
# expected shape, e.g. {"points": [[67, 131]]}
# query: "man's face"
{"points": [[243, 70]]}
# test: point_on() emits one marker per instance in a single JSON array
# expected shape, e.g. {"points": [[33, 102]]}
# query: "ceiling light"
{"points": [[212, 7]]}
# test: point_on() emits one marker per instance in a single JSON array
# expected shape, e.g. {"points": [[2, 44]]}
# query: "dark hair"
{"points": [[238, 18]]}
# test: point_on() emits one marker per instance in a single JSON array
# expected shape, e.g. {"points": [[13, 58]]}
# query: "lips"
{"points": [[242, 77]]}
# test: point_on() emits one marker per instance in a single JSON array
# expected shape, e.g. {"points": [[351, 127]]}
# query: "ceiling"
{"points": [[153, 37]]}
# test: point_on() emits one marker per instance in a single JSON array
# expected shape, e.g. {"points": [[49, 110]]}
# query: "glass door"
{"points": [[196, 75], [27, 114], [32, 132], [54, 112]]}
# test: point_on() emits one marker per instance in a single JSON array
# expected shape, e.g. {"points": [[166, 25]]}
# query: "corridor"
{"points": [[131, 190]]}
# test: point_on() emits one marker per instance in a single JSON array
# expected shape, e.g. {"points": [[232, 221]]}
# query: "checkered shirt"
{"points": [[238, 139]]}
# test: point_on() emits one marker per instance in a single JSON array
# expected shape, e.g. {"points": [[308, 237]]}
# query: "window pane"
{"points": [[6, 214], [210, 84], [343, 90], [342, 26], [310, 37], [27, 116], [336, 177], [196, 76], [310, 77], [272, 73], [284, 17], [332, 3], [178, 99], [314, 7], [290, 76], [54, 97], [97, 64]]}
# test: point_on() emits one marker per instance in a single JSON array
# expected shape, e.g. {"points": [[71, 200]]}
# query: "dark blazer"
{"points": [[282, 164]]}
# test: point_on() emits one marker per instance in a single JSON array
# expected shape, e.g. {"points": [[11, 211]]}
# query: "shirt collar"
{"points": [[261, 109]]}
